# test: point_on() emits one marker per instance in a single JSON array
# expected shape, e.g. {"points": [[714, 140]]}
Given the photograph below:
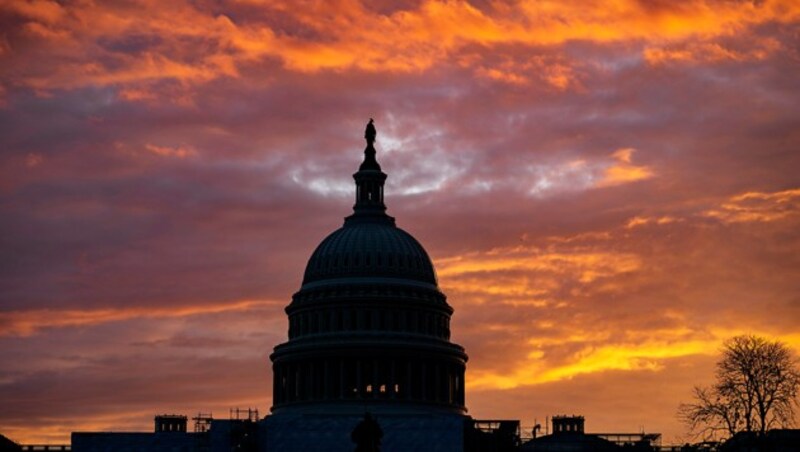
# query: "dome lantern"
{"points": [[369, 179]]}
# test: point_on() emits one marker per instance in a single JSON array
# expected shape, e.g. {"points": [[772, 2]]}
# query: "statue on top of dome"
{"points": [[370, 133]]}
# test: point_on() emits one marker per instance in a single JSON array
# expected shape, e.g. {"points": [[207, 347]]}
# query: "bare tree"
{"points": [[711, 415], [756, 389]]}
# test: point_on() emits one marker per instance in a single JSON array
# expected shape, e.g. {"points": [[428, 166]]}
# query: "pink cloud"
{"points": [[25, 323]]}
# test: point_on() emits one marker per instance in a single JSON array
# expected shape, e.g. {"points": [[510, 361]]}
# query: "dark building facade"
{"points": [[569, 435]]}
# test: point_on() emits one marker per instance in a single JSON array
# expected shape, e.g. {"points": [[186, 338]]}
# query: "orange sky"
{"points": [[609, 189]]}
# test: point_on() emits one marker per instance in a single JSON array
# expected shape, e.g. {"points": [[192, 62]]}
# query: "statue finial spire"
{"points": [[369, 152], [369, 184], [370, 133]]}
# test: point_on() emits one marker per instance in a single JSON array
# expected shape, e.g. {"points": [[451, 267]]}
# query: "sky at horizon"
{"points": [[608, 190]]}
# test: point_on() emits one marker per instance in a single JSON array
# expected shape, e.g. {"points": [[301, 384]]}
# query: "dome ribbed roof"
{"points": [[369, 249]]}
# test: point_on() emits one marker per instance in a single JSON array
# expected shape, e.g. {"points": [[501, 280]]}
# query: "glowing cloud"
{"points": [[356, 37], [758, 207], [166, 151], [26, 323], [642, 221], [624, 171]]}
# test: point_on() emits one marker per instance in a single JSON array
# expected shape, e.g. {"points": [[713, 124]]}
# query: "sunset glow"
{"points": [[608, 190]]}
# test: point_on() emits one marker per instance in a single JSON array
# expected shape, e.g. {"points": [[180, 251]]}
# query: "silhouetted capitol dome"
{"points": [[369, 328]]}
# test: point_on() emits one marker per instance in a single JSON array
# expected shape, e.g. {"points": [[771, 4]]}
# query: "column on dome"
{"points": [[318, 371], [326, 380], [450, 394], [359, 379], [424, 380], [437, 375], [275, 386], [454, 383], [451, 381], [352, 379], [461, 386], [299, 370], [288, 391], [316, 380], [283, 395], [290, 382], [410, 386], [296, 381], [308, 372], [304, 381], [393, 387], [308, 381]]}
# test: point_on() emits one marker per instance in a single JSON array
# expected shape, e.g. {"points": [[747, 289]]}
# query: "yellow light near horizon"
{"points": [[649, 355]]}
